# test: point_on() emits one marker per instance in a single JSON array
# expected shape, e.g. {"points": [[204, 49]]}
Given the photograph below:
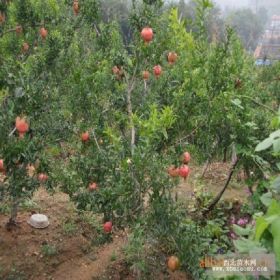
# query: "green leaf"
{"points": [[242, 231], [276, 184], [261, 226], [264, 145], [19, 92], [271, 219], [275, 231], [266, 199], [244, 245], [164, 132], [237, 102], [274, 208], [276, 145], [275, 134]]}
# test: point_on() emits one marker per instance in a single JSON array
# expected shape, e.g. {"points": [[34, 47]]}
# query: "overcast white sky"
{"points": [[232, 3]]}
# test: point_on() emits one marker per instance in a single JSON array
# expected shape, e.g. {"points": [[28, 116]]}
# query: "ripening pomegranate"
{"points": [[30, 168], [92, 187], [146, 75], [120, 74], [76, 7], [147, 34], [43, 33], [2, 167], [19, 29], [25, 47], [238, 83], [22, 126], [42, 177], [115, 70], [85, 136], [107, 227], [186, 157], [173, 171], [2, 18], [157, 71], [184, 171], [172, 57], [173, 263]]}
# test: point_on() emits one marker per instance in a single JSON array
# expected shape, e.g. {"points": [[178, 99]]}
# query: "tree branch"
{"points": [[218, 197], [130, 87]]}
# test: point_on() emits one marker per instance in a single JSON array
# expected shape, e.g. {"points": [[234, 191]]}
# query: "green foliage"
{"points": [[265, 234], [69, 228], [15, 274], [48, 250], [208, 101], [135, 251]]}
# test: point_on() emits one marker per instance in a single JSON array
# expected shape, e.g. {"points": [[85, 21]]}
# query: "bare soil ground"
{"points": [[67, 248], [213, 182]]}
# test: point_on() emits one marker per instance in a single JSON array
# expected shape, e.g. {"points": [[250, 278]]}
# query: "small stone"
{"points": [[38, 221]]}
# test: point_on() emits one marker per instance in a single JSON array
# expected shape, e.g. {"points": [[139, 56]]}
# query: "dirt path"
{"points": [[91, 266], [22, 252]]}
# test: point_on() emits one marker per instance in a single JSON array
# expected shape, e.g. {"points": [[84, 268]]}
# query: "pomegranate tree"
{"points": [[19, 167]]}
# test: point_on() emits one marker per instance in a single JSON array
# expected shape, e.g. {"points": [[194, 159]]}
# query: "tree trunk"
{"points": [[12, 223], [211, 155], [225, 155], [205, 168], [130, 115], [218, 197], [14, 211]]}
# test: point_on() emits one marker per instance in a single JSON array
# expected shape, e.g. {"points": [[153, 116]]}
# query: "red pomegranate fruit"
{"points": [[173, 171], [186, 157], [147, 34], [25, 47], [157, 71], [2, 167], [172, 57], [146, 75], [43, 33], [19, 29], [85, 136], [42, 177], [184, 171], [76, 7], [92, 187], [108, 227], [21, 126], [2, 18]]}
